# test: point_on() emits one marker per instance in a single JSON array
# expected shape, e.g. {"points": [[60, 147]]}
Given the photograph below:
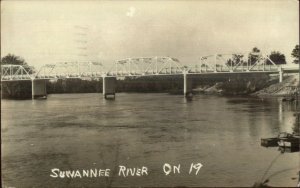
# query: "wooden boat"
{"points": [[273, 142]]}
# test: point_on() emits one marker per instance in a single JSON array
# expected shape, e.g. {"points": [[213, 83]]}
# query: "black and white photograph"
{"points": [[164, 93]]}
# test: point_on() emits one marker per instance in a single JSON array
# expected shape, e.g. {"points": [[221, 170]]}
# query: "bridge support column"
{"points": [[187, 85], [38, 89], [109, 87], [280, 75]]}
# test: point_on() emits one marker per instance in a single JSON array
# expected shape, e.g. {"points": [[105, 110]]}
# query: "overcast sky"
{"points": [[51, 31]]}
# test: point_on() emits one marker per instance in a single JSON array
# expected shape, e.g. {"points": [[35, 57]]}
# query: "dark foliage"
{"points": [[74, 86], [235, 60], [277, 57], [16, 90], [295, 54], [171, 84]]}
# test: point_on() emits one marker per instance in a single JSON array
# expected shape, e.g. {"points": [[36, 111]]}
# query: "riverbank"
{"points": [[237, 85], [263, 88], [287, 87]]}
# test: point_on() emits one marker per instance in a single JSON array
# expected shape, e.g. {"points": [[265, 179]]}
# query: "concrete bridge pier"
{"points": [[109, 87], [280, 75], [187, 85], [38, 89]]}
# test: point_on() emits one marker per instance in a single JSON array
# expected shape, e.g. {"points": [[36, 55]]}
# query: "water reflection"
{"points": [[287, 116], [280, 112], [296, 127]]}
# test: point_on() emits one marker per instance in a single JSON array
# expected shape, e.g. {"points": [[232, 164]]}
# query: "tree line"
{"points": [[255, 56]]}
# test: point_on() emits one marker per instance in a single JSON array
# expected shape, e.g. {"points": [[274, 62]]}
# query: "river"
{"points": [[83, 131]]}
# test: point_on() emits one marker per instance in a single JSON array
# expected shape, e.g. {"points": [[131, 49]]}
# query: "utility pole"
{"points": [[81, 40]]}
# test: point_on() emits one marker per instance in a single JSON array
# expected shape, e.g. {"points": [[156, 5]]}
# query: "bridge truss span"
{"points": [[233, 63], [71, 70], [143, 66], [16, 72], [146, 66]]}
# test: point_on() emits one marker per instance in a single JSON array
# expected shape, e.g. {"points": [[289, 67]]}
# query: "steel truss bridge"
{"points": [[143, 66]]}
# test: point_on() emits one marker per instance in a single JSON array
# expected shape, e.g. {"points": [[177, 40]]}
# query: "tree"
{"points": [[295, 54], [277, 57], [254, 56], [236, 59], [11, 59]]}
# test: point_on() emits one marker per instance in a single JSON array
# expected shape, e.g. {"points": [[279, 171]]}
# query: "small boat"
{"points": [[289, 144], [273, 142]]}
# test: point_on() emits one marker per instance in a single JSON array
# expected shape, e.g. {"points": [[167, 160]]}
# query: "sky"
{"points": [[53, 31]]}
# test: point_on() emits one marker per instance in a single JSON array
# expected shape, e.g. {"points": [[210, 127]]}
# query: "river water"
{"points": [[84, 131]]}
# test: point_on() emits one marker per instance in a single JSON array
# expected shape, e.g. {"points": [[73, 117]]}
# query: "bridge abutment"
{"points": [[187, 85], [38, 89], [109, 87]]}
